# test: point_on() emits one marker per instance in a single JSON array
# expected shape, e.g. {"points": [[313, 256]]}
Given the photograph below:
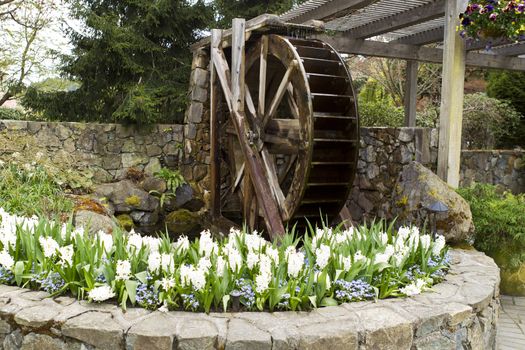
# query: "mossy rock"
{"points": [[512, 279], [126, 221], [183, 221]]}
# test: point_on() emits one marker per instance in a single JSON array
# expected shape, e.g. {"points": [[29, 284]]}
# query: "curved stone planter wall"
{"points": [[460, 313]]}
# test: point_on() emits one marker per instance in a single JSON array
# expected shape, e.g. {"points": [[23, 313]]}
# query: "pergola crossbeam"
{"points": [[429, 36], [327, 11], [417, 53], [396, 21]]}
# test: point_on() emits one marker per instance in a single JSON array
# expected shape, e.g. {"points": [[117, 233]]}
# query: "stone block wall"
{"points": [[107, 150], [384, 152]]}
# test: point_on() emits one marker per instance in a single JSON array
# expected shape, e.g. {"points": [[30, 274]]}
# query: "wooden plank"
{"points": [[286, 128], [252, 158], [346, 217], [451, 111], [215, 166], [511, 50], [331, 10], [396, 21], [411, 93], [433, 35], [416, 53], [277, 192], [262, 75], [238, 59]]}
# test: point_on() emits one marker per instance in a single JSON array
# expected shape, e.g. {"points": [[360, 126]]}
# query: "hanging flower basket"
{"points": [[491, 19]]}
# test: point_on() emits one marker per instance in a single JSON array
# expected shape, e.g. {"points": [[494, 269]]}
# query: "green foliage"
{"points": [[510, 86], [132, 60], [487, 122], [28, 189], [248, 9], [173, 178], [12, 114], [376, 106], [241, 272], [499, 218]]}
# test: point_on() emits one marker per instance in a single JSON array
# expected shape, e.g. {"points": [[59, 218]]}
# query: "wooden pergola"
{"points": [[403, 29]]}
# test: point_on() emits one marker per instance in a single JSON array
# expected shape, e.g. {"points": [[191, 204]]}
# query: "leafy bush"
{"points": [[173, 178], [379, 113], [28, 189], [325, 267], [499, 219], [12, 114], [487, 121]]}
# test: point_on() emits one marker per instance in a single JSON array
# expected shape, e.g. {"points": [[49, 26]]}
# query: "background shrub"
{"points": [[499, 218]]}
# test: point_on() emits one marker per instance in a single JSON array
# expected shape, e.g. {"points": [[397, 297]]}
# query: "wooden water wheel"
{"points": [[293, 129]]}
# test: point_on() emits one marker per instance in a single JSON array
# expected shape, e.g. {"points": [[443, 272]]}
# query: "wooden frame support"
{"points": [[452, 90], [411, 93], [215, 175], [234, 90]]}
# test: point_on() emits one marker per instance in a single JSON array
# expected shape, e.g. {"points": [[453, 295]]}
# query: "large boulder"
{"points": [[417, 189], [183, 195], [94, 222], [183, 221], [126, 197]]}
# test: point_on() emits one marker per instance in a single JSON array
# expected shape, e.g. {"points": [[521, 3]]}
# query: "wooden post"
{"points": [[237, 71], [411, 93], [215, 166], [451, 112]]}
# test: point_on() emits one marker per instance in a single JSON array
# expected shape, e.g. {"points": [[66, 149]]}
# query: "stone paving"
{"points": [[511, 325]]}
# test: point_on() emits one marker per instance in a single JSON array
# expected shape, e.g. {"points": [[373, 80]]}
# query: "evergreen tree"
{"points": [[132, 58], [248, 9]]}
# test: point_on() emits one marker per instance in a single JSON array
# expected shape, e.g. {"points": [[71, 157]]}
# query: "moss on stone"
{"points": [[125, 221], [182, 221], [133, 201]]}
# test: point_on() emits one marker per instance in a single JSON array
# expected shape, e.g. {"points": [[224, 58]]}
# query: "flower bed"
{"points": [[240, 272]]}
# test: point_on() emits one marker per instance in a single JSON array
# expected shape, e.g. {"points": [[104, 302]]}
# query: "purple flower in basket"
{"points": [[493, 17]]}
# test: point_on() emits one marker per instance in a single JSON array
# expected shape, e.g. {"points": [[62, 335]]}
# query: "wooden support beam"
{"points": [[237, 71], [396, 21], [331, 10], [411, 93], [451, 112], [253, 160], [433, 35], [417, 53], [215, 175], [510, 50]]}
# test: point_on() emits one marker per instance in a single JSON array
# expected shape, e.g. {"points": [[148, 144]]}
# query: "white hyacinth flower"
{"points": [[220, 266], [123, 270], [154, 261], [152, 243], [134, 240], [106, 239], [66, 254], [273, 253], [262, 282], [166, 262], [322, 256], [167, 283], [206, 243], [49, 246], [252, 260], [425, 242], [439, 244], [295, 263], [204, 264], [183, 243], [347, 263], [234, 260], [413, 288], [6, 260], [101, 293]]}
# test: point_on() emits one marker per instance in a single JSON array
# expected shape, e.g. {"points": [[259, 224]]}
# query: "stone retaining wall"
{"points": [[106, 149], [384, 152], [460, 313]]}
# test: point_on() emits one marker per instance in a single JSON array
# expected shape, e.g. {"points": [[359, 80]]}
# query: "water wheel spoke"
{"points": [[271, 173], [279, 94], [262, 75]]}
